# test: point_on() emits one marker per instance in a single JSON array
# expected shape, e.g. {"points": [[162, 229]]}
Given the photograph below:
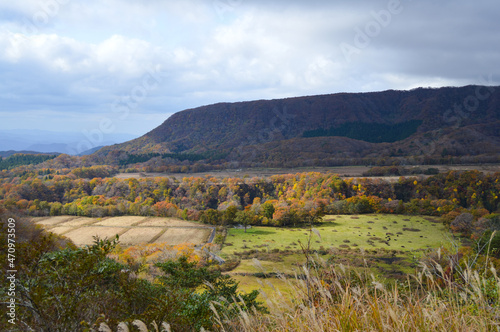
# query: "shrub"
{"points": [[463, 223]]}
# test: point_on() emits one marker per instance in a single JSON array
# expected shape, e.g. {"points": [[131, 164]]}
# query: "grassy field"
{"points": [[387, 246], [132, 230], [363, 231]]}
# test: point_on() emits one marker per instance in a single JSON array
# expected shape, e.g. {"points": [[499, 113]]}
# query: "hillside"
{"points": [[444, 122], [5, 154]]}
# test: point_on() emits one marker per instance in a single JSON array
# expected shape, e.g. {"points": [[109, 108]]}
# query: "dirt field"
{"points": [[54, 220], [344, 171], [183, 235], [85, 235], [167, 222], [121, 221], [131, 229], [140, 235]]}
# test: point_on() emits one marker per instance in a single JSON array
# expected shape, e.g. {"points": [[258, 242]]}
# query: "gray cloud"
{"points": [[87, 55]]}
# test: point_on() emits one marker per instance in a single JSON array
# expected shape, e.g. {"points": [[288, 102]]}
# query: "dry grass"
{"points": [[338, 298], [120, 221], [168, 222], [139, 235], [61, 230], [81, 221], [51, 221], [85, 235], [342, 301], [175, 236], [131, 229]]}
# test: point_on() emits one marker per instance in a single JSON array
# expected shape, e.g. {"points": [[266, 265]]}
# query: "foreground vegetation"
{"points": [[342, 300], [60, 287], [355, 303]]}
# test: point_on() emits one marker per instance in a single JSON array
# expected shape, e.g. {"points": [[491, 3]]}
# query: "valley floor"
{"points": [[343, 171]]}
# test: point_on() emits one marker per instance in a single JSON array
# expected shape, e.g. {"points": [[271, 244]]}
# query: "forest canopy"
{"points": [[370, 132], [23, 159]]}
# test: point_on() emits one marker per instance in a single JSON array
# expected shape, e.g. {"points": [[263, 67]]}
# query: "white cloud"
{"points": [[88, 54], [117, 55]]}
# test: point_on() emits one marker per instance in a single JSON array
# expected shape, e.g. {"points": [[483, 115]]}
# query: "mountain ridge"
{"points": [[444, 114]]}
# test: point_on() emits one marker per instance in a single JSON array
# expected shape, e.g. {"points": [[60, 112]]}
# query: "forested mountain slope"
{"points": [[462, 121]]}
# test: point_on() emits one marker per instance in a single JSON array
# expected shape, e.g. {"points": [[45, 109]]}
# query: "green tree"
{"points": [[244, 218], [211, 216], [229, 214], [268, 210], [190, 291], [63, 288]]}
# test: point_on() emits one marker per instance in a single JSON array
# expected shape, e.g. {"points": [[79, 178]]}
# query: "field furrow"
{"points": [[139, 235], [132, 230]]}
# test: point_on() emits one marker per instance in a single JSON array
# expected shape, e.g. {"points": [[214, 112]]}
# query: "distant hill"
{"points": [[44, 141], [424, 122], [90, 151], [5, 154]]}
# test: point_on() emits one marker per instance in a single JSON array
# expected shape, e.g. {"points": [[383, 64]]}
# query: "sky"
{"points": [[101, 67]]}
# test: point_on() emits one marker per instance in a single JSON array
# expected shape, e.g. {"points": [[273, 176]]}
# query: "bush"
{"points": [[463, 224], [219, 239], [449, 217]]}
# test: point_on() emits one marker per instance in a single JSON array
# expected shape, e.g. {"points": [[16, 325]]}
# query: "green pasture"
{"points": [[392, 232], [387, 246]]}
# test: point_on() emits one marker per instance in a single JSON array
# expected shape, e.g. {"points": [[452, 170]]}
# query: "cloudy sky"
{"points": [[126, 65]]}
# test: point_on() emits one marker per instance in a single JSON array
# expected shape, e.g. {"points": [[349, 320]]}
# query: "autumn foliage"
{"points": [[281, 200]]}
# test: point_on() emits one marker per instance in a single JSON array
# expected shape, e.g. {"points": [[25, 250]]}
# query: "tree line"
{"points": [[293, 199], [23, 159]]}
